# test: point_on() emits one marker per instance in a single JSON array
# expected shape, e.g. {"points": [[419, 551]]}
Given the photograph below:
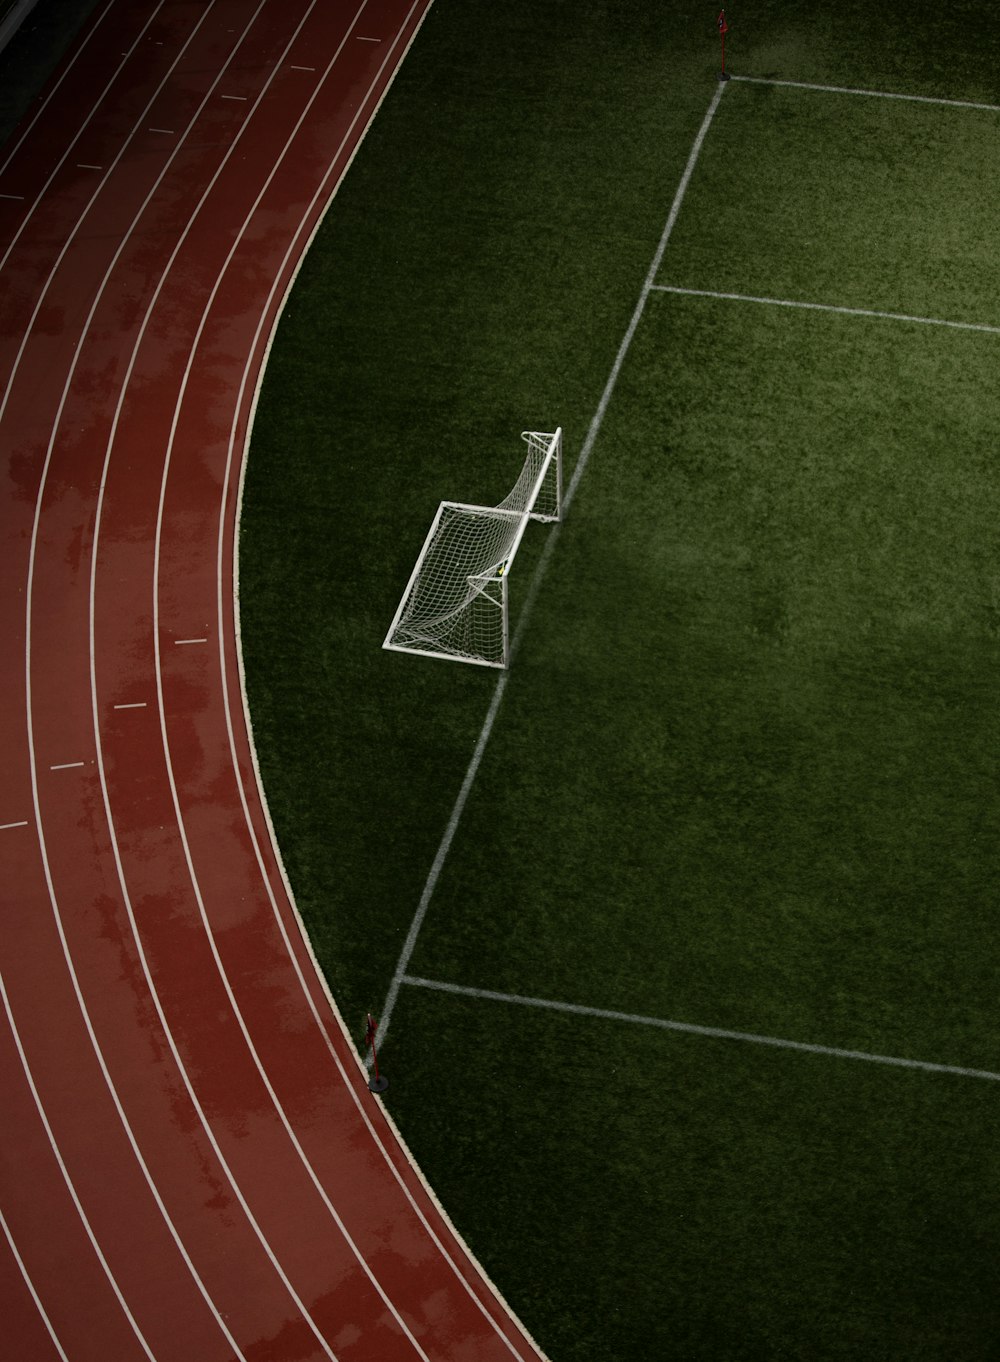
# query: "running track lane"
{"points": [[192, 1166]]}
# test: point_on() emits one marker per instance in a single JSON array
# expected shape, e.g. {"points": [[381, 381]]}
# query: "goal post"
{"points": [[456, 602]]}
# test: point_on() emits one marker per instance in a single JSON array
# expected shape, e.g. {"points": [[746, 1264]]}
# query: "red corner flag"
{"points": [[723, 30]]}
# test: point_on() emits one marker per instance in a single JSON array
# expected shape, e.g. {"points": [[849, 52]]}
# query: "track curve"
{"points": [[192, 1166]]}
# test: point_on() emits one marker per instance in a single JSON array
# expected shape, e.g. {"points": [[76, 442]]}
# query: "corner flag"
{"points": [[723, 30]]}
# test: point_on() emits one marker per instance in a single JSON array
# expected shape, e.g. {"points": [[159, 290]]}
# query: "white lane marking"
{"points": [[32, 558], [85, 165], [869, 94], [167, 132], [81, 130], [690, 1028], [223, 975], [65, 72], [66, 766], [827, 307], [302, 68], [31, 1288], [136, 704], [93, 659], [90, 203], [242, 99], [472, 770], [67, 1179], [17, 197], [5, 826], [179, 642]]}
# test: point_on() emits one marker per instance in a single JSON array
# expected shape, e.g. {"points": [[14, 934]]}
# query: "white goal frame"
{"points": [[456, 604]]}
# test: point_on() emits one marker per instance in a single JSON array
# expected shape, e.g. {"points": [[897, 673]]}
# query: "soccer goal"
{"points": [[455, 603]]}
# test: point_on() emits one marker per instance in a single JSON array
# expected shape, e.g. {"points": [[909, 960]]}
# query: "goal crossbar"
{"points": [[456, 602]]}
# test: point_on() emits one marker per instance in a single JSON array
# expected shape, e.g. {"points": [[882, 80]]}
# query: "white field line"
{"points": [[870, 94], [351, 1086], [67, 1179], [31, 1289], [33, 762], [388, 1007], [182, 830], [827, 307], [80, 131], [689, 1028]]}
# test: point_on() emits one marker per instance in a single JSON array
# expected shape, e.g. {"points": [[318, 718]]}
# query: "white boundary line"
{"points": [[67, 1179], [870, 94], [31, 1289], [188, 856], [689, 1028], [320, 978], [388, 1007], [123, 392], [82, 129], [69, 66], [827, 307], [29, 594], [15, 369]]}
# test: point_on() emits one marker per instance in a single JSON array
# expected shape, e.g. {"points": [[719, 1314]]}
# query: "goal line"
{"points": [[692, 1029]]}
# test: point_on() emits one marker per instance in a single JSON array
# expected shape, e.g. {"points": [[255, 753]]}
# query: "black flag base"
{"points": [[378, 1084], [724, 75]]}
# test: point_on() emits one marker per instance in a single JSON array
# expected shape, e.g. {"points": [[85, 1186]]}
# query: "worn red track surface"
{"points": [[192, 1165]]}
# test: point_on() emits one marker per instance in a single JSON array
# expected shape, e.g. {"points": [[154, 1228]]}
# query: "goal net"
{"points": [[455, 603]]}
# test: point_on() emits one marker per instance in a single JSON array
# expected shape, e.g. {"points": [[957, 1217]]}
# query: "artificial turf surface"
{"points": [[744, 771]]}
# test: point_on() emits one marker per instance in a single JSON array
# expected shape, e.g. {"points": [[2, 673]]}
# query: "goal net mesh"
{"points": [[456, 602]]}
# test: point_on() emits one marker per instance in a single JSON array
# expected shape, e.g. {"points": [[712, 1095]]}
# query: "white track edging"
{"points": [[275, 848]]}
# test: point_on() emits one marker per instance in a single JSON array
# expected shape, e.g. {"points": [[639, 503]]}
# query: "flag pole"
{"points": [[379, 1083], [723, 30]]}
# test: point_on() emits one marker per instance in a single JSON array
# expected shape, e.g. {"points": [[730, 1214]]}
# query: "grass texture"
{"points": [[744, 772]]}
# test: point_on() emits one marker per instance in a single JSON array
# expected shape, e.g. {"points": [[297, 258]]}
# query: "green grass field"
{"points": [[744, 772]]}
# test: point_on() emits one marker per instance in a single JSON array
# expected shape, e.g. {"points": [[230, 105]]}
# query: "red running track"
{"points": [[192, 1167]]}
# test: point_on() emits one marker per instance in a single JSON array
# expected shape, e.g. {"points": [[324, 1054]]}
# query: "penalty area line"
{"points": [[533, 587], [827, 307], [869, 94], [690, 1028]]}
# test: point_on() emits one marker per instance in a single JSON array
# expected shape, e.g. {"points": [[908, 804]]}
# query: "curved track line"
{"points": [[42, 1313], [33, 765], [289, 946], [82, 129], [116, 851], [324, 189], [223, 974], [70, 1186], [55, 88], [90, 203]]}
